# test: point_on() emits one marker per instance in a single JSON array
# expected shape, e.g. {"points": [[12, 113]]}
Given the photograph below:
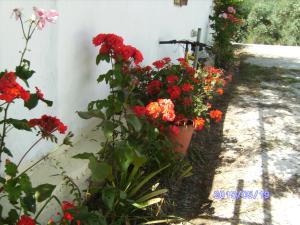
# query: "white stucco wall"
{"points": [[64, 58]]}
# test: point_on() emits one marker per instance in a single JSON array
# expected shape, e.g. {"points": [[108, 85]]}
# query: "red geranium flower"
{"points": [[99, 39], [138, 57], [174, 92], [68, 216], [39, 93], [167, 59], [154, 87], [26, 220], [10, 89], [153, 110], [165, 105], [199, 123], [171, 79], [159, 64], [220, 91], [216, 115], [187, 87], [212, 70], [48, 125], [169, 116], [139, 110]]}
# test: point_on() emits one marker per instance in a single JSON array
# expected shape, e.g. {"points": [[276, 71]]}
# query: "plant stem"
{"points": [[34, 144], [46, 203], [3, 130], [30, 167]]}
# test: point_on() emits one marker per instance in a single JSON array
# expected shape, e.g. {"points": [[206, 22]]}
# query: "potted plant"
{"points": [[176, 98]]}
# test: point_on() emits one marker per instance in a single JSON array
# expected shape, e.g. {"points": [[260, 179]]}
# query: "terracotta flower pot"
{"points": [[182, 140]]}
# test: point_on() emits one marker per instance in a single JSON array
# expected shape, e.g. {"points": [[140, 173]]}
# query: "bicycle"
{"points": [[196, 48]]}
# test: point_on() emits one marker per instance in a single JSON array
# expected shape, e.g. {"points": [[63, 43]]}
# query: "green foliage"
{"points": [[270, 22], [224, 32]]}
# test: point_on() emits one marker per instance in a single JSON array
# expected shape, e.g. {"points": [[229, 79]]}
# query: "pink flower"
{"points": [[51, 16], [17, 12], [43, 16], [230, 9], [224, 15]]}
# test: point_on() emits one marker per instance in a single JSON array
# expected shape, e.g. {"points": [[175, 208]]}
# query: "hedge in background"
{"points": [[270, 22]]}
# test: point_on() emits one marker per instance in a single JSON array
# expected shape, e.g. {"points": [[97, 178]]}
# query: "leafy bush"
{"points": [[225, 22], [270, 22]]}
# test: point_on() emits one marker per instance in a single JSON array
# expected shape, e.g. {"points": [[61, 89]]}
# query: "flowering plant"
{"points": [[134, 151], [176, 94], [15, 186], [226, 20]]}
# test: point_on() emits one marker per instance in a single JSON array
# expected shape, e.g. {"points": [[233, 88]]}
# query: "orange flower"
{"points": [[153, 110], [199, 123], [220, 91], [216, 115]]}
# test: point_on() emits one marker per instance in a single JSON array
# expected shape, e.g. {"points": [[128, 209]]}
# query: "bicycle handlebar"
{"points": [[192, 43]]}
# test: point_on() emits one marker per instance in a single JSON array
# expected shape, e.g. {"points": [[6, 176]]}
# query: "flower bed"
{"points": [[141, 118]]}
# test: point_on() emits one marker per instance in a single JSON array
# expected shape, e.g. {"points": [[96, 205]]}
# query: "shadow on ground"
{"points": [[192, 196]]}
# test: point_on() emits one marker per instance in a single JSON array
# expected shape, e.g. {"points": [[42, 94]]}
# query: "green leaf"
{"points": [[48, 102], [100, 170], [19, 124], [43, 191], [12, 218], [145, 180], [13, 190], [24, 73], [32, 102], [108, 197], [7, 151], [152, 195], [11, 169], [108, 128], [102, 57], [84, 155], [28, 203], [135, 122], [25, 184], [91, 114], [147, 203]]}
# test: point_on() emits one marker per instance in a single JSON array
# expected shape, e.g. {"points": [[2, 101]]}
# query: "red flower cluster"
{"points": [[233, 19], [212, 70], [154, 87], [139, 110], [48, 125], [10, 89], [220, 91], [39, 93], [171, 79], [190, 70], [216, 115], [174, 92], [113, 44], [187, 87], [199, 123], [164, 107], [26, 220], [67, 216], [161, 63]]}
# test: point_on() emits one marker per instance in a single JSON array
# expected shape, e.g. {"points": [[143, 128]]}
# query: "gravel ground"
{"points": [[247, 170]]}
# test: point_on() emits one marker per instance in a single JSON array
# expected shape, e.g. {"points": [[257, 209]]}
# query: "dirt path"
{"points": [[251, 164]]}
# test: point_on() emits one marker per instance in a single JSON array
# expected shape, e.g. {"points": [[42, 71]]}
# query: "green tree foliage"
{"points": [[270, 22]]}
